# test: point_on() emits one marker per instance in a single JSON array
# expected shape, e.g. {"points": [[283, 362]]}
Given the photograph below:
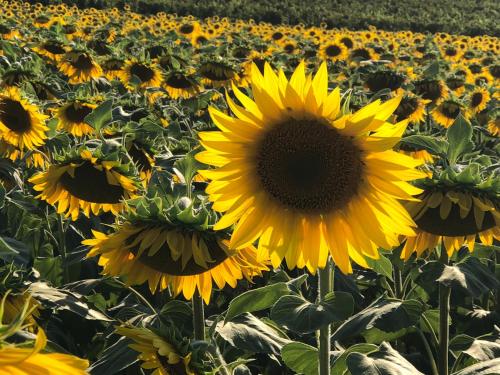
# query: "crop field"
{"points": [[185, 195]]}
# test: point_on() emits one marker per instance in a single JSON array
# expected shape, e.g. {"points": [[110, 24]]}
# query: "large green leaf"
{"points": [[101, 115], [385, 361], [340, 358], [383, 319], [256, 299], [469, 275], [300, 315], [301, 358], [491, 367], [249, 333], [433, 145], [382, 266], [482, 348], [115, 358], [459, 139], [50, 269]]}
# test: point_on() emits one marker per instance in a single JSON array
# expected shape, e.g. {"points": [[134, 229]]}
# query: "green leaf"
{"points": [[382, 266], [300, 315], [256, 299], [459, 138], [249, 333], [101, 115], [340, 359], [469, 276], [115, 358], [482, 348], [491, 367], [50, 269], [425, 142], [301, 358], [2, 195], [385, 361], [384, 318], [432, 70], [188, 166]]}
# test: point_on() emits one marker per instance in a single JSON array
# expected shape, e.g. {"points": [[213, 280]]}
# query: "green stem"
{"points": [[198, 317], [62, 249], [325, 286], [444, 310], [428, 350], [398, 282]]}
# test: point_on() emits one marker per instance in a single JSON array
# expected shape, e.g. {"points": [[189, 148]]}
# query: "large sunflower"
{"points": [[23, 360], [181, 85], [478, 100], [447, 112], [454, 217], [333, 51], [71, 118], [411, 108], [305, 179], [21, 123], [148, 74], [156, 353], [85, 183]]}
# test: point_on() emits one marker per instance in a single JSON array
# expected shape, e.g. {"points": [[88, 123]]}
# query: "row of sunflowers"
{"points": [[146, 161]]}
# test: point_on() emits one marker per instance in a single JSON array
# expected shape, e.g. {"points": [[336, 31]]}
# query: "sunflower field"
{"points": [[188, 196]]}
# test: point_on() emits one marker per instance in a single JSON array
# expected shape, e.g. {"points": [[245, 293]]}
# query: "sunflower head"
{"points": [[167, 241], [141, 74], [217, 72], [308, 168], [430, 89], [71, 117], [411, 108], [384, 79], [447, 112], [180, 84], [88, 181], [79, 66]]}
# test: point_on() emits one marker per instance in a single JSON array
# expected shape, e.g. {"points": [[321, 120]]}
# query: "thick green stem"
{"points": [[198, 317], [325, 286], [398, 282], [62, 249], [444, 310]]}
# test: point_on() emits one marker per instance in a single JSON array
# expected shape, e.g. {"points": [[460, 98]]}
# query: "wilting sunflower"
{"points": [[431, 89], [180, 85], [80, 67], [447, 112], [295, 172], [148, 74], [71, 118], [333, 50], [453, 217], [153, 250], [52, 49], [478, 100], [21, 123], [23, 360], [411, 108], [217, 73], [156, 352], [113, 68], [85, 183]]}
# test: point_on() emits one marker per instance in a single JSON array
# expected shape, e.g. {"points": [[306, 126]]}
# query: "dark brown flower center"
{"points": [[333, 50], [307, 165], [83, 62], [187, 28], [450, 110], [14, 116], [277, 35], [178, 81], [380, 80], [54, 48], [347, 42], [406, 107], [91, 185], [77, 113], [476, 99], [142, 71], [430, 90], [216, 72]]}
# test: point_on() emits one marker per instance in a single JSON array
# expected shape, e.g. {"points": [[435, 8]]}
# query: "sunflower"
{"points": [[454, 217], [71, 118], [143, 159], [21, 123], [333, 51], [23, 360], [411, 108], [52, 49], [148, 74], [296, 173], [384, 79], [447, 112], [80, 67], [478, 100], [431, 89], [164, 255], [156, 352], [494, 126], [180, 85], [85, 183], [217, 73]]}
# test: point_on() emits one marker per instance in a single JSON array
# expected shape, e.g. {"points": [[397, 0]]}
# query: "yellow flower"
{"points": [[149, 74], [305, 180], [80, 67], [71, 118]]}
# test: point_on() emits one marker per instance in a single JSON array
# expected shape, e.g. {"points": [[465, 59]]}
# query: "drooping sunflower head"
{"points": [[79, 66], [411, 108], [113, 68], [217, 72], [447, 112], [171, 245], [308, 170], [431, 89], [180, 84], [52, 49], [21, 123], [87, 181], [384, 79], [71, 117], [158, 352], [148, 74]]}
